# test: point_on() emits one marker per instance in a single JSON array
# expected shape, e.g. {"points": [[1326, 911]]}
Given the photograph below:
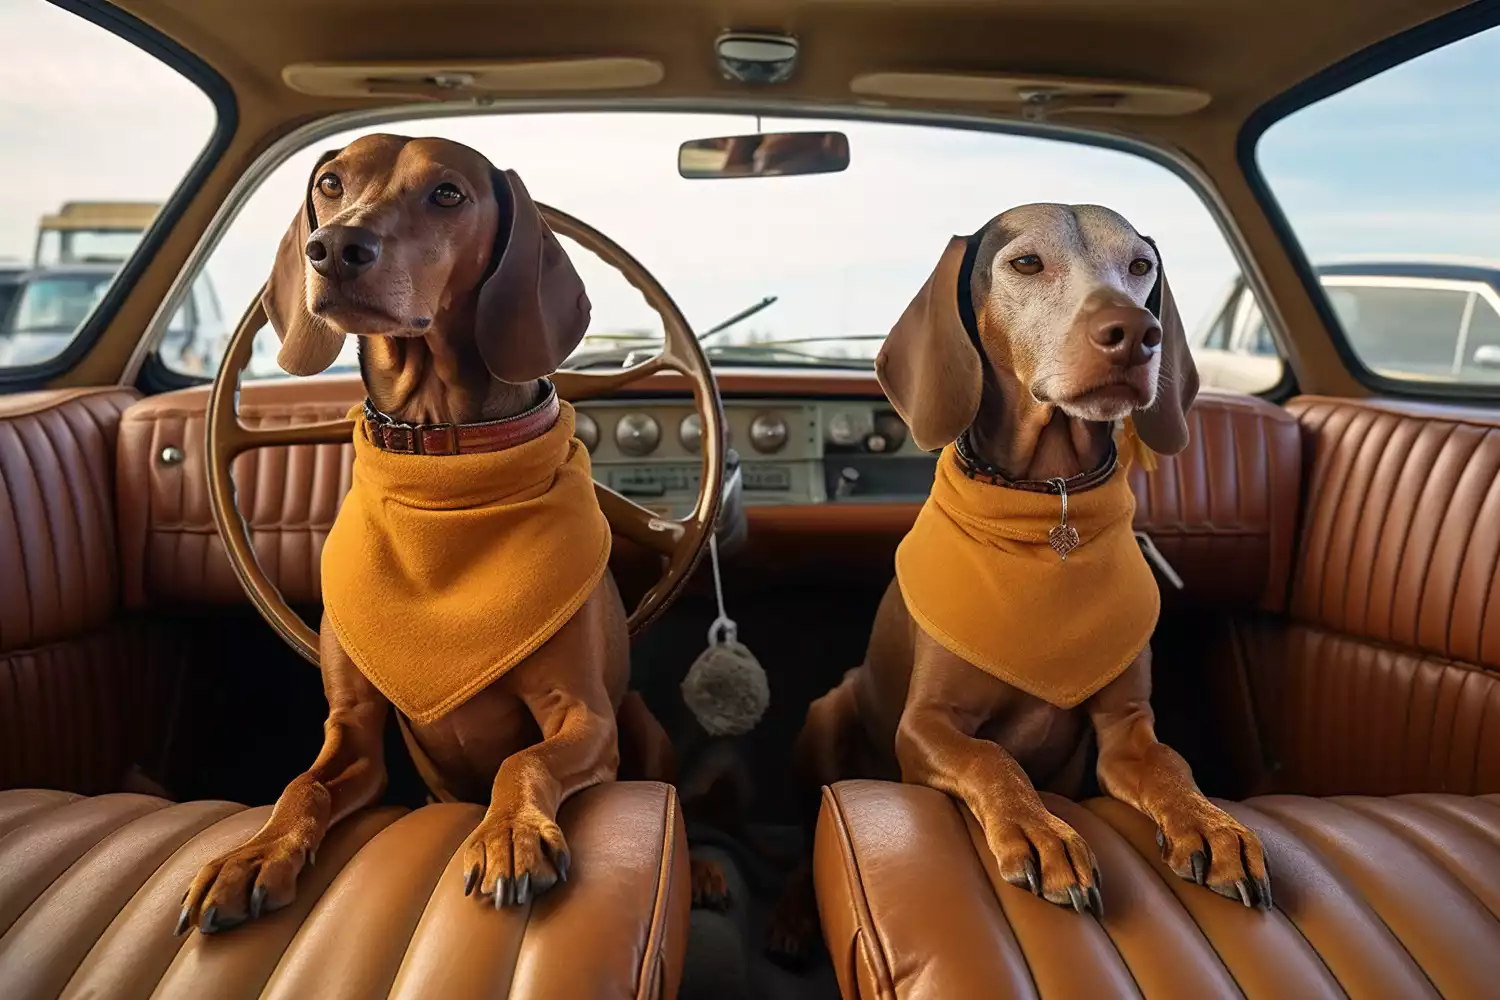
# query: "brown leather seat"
{"points": [[1375, 897], [90, 889]]}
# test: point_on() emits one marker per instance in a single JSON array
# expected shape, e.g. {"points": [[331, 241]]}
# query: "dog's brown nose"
{"points": [[1127, 335], [343, 252]]}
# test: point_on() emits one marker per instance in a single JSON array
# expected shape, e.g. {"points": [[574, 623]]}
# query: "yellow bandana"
{"points": [[443, 572], [978, 576]]}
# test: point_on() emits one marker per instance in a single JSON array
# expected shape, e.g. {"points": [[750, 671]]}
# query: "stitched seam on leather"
{"points": [[1489, 588], [650, 972], [875, 948], [1484, 712], [1353, 804], [82, 583], [1406, 537], [1299, 828], [1170, 889]]}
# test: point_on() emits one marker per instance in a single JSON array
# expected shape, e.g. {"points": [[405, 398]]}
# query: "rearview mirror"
{"points": [[773, 154]]}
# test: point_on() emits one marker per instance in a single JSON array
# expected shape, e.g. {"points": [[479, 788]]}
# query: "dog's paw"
{"points": [[1204, 844], [258, 877], [793, 938], [515, 856], [1040, 853], [710, 888]]}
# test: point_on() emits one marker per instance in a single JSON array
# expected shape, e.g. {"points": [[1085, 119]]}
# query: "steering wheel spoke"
{"points": [[639, 524], [681, 542]]}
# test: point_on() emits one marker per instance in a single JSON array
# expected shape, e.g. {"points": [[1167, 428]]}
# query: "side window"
{"points": [[1481, 362], [94, 135], [1392, 184], [1404, 331]]}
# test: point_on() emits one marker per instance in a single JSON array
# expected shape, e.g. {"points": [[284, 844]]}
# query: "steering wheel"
{"points": [[680, 541]]}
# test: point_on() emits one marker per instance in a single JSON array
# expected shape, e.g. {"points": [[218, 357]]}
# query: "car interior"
{"points": [[1327, 546]]}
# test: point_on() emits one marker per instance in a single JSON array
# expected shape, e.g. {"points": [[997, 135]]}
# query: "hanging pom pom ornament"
{"points": [[726, 687]]}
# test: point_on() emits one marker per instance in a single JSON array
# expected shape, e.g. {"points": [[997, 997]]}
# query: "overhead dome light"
{"points": [[756, 57]]}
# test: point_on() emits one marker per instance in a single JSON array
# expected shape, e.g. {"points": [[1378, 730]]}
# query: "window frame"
{"points": [[153, 375], [135, 32], [1344, 75]]}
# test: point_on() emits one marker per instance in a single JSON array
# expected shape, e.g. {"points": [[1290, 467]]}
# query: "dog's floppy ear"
{"points": [[1163, 426], [929, 366], [308, 344], [532, 309]]}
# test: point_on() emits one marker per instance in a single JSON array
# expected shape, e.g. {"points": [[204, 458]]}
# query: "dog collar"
{"points": [[390, 434], [977, 469]]}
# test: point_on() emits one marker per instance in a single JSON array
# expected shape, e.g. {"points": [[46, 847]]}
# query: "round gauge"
{"points": [[844, 429], [637, 434], [690, 432], [586, 430], [890, 427], [768, 433]]}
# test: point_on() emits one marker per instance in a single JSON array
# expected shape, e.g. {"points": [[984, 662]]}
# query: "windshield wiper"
{"points": [[739, 317]]}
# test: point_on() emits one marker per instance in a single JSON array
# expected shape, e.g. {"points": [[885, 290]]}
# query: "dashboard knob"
{"points": [[586, 430], [768, 433], [690, 432], [637, 434]]}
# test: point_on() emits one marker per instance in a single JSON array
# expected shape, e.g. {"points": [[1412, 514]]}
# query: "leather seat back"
{"points": [[1385, 682], [84, 693]]}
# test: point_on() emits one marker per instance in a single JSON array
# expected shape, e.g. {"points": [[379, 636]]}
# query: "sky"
{"points": [[1403, 163]]}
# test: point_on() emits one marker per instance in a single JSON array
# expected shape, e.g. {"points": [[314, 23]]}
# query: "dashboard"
{"points": [[791, 450]]}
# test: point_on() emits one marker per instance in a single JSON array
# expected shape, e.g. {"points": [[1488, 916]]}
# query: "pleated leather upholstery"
{"points": [[1375, 898], [1385, 681], [90, 890], [58, 565], [171, 552], [81, 713], [1224, 511]]}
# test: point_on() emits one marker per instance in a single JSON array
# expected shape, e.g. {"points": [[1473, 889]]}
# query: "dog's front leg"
{"points": [[518, 852], [349, 773], [1199, 841], [946, 704]]}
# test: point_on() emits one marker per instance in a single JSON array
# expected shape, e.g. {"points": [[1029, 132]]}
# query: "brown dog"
{"points": [[1028, 344], [465, 302]]}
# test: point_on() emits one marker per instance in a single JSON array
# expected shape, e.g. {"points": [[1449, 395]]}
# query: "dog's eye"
{"points": [[1029, 264], [1140, 266], [330, 185], [447, 196]]}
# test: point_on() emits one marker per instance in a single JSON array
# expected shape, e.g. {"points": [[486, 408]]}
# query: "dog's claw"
{"points": [[523, 889], [502, 890], [1200, 867], [257, 901], [1096, 901], [1031, 877], [1244, 891], [561, 864], [1161, 841], [1262, 892], [471, 880], [312, 857], [206, 925], [182, 923], [1075, 894]]}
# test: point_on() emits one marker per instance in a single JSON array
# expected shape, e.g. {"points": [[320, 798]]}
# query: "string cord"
{"points": [[723, 631]]}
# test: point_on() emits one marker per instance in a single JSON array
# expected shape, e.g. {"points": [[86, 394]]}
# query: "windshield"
{"points": [[793, 270], [56, 303]]}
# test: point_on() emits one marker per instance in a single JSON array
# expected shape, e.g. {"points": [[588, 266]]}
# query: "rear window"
{"points": [[1393, 184], [95, 134]]}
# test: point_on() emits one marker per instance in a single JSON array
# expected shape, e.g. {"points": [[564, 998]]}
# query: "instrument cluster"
{"points": [[791, 451]]}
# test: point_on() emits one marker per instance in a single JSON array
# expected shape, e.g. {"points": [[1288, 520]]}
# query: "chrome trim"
{"points": [[306, 135]]}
